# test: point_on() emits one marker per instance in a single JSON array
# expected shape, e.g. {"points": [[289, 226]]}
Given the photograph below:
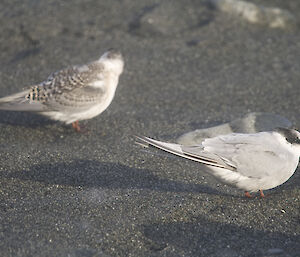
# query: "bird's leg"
{"points": [[76, 126], [262, 195], [79, 129], [247, 194]]}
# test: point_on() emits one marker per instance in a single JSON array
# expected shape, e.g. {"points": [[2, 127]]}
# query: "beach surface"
{"points": [[188, 65]]}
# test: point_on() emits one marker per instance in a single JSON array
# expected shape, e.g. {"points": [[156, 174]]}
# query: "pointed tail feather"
{"points": [[19, 102]]}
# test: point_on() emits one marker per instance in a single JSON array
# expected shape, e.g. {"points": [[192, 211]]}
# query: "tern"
{"points": [[251, 162], [76, 93]]}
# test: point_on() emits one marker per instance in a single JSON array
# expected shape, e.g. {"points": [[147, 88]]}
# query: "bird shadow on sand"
{"points": [[24, 119], [93, 174], [204, 237]]}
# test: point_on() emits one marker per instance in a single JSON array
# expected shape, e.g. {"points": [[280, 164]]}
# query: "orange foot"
{"points": [[76, 126], [262, 195], [247, 194]]}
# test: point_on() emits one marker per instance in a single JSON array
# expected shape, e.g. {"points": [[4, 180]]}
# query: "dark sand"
{"points": [[188, 66]]}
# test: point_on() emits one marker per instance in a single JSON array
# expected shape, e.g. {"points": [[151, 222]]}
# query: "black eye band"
{"points": [[290, 135]]}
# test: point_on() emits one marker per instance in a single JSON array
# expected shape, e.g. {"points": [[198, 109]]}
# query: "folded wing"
{"points": [[189, 152]]}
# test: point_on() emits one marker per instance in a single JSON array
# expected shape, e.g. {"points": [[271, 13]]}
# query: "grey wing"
{"points": [[195, 153], [253, 155], [73, 88], [80, 99], [212, 159], [38, 98]]}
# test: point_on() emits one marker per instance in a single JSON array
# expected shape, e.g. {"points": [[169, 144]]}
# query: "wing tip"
{"points": [[141, 140]]}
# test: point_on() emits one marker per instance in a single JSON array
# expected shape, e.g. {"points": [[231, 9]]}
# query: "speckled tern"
{"points": [[72, 94]]}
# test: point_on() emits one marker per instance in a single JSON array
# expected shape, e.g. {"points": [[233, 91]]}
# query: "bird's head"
{"points": [[112, 60], [292, 137]]}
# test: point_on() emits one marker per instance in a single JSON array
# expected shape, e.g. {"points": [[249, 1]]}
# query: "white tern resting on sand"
{"points": [[72, 94], [252, 162]]}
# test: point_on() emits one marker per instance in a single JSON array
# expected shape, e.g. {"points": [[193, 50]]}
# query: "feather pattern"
{"points": [[74, 93]]}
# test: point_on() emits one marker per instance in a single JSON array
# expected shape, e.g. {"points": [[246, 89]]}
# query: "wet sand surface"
{"points": [[188, 65]]}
